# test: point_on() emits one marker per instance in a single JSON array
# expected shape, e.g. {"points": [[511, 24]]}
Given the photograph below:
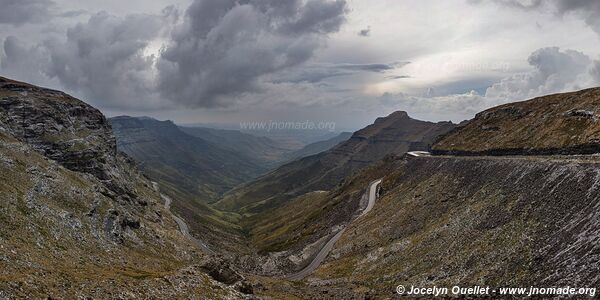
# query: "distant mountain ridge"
{"points": [[261, 150], [394, 134], [194, 166], [318, 147]]}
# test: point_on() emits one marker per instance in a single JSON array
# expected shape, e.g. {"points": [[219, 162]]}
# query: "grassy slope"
{"points": [[308, 217], [169, 156]]}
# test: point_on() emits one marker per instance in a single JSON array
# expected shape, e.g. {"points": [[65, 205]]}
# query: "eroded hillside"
{"points": [[445, 221]]}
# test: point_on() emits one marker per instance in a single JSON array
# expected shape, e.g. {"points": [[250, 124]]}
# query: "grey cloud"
{"points": [[19, 12], [456, 107], [522, 4], [308, 74], [365, 32], [315, 16], [588, 9], [554, 71], [74, 13], [394, 77], [595, 71], [371, 67], [319, 72], [103, 59], [224, 47], [22, 62]]}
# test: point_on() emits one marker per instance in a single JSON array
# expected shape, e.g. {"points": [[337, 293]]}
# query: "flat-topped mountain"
{"points": [[566, 123], [198, 169], [394, 134]]}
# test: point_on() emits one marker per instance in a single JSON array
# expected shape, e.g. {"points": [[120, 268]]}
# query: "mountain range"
{"points": [[139, 208], [394, 134]]}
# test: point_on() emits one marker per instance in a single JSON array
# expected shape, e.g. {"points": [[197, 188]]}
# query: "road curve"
{"points": [[183, 227], [316, 262]]}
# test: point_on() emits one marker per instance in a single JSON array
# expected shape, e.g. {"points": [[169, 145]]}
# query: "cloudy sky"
{"points": [[347, 61]]}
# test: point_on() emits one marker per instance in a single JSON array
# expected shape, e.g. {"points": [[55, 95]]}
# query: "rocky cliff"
{"points": [[66, 130], [60, 127]]}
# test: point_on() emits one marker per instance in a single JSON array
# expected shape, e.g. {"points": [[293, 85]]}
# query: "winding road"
{"points": [[316, 262], [183, 227]]}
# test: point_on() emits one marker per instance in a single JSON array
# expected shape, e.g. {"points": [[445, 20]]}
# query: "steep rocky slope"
{"points": [[395, 134], [78, 220], [473, 221], [62, 128], [556, 124]]}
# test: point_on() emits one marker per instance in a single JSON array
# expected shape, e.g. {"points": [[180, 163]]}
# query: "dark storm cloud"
{"points": [[19, 12], [224, 47], [102, 59]]}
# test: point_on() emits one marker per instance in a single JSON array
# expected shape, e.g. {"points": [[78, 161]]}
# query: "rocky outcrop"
{"points": [[557, 124], [67, 130], [59, 126]]}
